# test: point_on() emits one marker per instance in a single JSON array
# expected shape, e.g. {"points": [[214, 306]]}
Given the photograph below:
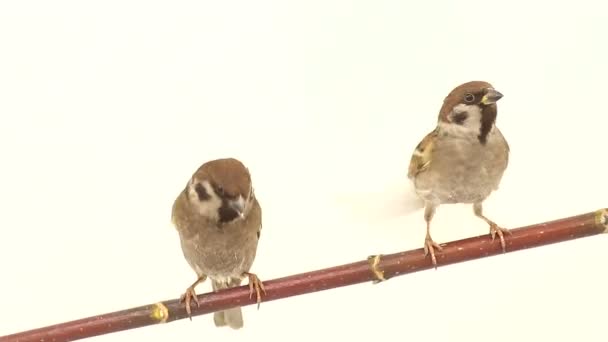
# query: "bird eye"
{"points": [[468, 97], [220, 190]]}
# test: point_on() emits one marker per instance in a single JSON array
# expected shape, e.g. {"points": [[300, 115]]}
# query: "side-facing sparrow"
{"points": [[463, 159], [219, 221]]}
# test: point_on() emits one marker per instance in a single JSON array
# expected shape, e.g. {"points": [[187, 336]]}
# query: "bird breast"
{"points": [[462, 170], [221, 251], [218, 252]]}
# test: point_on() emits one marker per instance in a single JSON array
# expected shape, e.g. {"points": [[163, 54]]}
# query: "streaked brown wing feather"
{"points": [[421, 158]]}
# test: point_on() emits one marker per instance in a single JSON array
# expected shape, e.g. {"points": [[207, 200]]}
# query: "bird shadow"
{"points": [[394, 200]]}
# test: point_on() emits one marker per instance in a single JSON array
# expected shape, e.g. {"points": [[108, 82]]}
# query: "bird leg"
{"points": [[255, 284], [494, 228], [190, 295], [429, 244]]}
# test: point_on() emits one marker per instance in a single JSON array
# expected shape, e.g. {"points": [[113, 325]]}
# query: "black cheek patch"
{"points": [[460, 118], [201, 192]]}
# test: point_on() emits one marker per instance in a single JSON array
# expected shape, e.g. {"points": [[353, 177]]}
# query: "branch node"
{"points": [[160, 312], [374, 261], [601, 218]]}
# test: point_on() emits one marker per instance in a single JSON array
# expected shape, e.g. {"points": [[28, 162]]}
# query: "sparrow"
{"points": [[463, 159], [219, 222]]}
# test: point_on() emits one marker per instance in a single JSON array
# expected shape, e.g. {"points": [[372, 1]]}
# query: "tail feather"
{"points": [[231, 317]]}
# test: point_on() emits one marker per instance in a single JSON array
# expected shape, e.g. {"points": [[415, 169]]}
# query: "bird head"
{"points": [[221, 190], [471, 107]]}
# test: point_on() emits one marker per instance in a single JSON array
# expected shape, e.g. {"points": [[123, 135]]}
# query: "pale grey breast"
{"points": [[223, 252], [462, 169]]}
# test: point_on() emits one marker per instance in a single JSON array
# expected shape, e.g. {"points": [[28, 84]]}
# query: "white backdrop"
{"points": [[108, 107]]}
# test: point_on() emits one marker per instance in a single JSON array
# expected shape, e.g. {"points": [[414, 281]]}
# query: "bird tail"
{"points": [[232, 317]]}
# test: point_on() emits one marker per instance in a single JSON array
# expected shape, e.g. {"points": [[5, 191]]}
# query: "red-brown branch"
{"points": [[387, 265]]}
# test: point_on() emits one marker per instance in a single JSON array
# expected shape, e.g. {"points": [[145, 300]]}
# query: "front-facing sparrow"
{"points": [[463, 159], [219, 221]]}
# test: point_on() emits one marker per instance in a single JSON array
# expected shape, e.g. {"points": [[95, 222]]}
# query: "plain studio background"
{"points": [[108, 107]]}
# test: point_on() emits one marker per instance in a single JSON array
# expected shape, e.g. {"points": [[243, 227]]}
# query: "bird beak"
{"points": [[239, 206], [491, 96]]}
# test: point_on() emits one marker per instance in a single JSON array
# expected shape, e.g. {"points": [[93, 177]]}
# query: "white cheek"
{"points": [[471, 125], [208, 208], [249, 201], [474, 119]]}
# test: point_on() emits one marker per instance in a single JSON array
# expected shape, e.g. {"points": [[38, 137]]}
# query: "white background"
{"points": [[108, 107]]}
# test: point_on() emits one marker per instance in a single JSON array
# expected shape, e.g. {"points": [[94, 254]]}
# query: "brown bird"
{"points": [[219, 221], [463, 159]]}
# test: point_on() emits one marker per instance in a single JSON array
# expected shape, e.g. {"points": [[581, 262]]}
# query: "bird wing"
{"points": [[508, 152], [421, 158], [259, 209], [259, 232]]}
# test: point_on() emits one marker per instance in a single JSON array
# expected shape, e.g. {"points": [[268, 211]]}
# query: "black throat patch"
{"points": [[226, 213], [488, 117]]}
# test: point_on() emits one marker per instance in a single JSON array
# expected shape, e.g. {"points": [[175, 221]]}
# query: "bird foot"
{"points": [[496, 230], [188, 297], [429, 248], [255, 284]]}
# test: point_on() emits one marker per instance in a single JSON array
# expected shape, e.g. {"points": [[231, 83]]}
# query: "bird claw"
{"points": [[496, 230], [188, 297], [429, 248], [255, 284]]}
